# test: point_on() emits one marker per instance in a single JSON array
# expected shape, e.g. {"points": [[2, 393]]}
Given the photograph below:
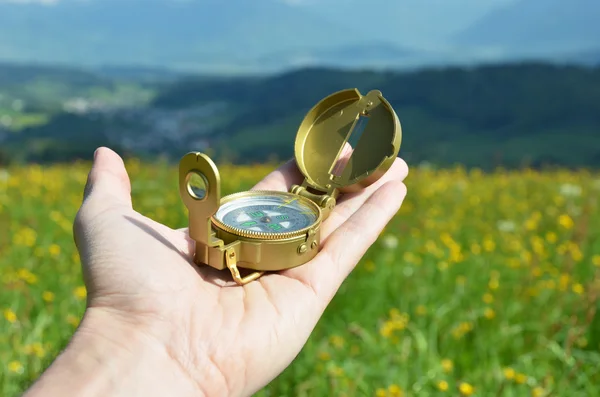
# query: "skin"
{"points": [[157, 324]]}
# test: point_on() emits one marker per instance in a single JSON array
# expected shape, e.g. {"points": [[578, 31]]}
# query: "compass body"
{"points": [[346, 142]]}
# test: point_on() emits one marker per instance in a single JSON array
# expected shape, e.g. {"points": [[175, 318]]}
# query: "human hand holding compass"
{"points": [[156, 324]]}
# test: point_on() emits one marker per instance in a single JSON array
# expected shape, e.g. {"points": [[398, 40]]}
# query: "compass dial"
{"points": [[268, 213]]}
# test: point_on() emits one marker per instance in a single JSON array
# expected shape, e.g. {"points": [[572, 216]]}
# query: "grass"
{"points": [[483, 284]]}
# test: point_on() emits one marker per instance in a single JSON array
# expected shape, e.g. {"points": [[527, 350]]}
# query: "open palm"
{"points": [[228, 339]]}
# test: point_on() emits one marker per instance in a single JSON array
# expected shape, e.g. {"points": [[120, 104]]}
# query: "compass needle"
{"points": [[288, 202]]}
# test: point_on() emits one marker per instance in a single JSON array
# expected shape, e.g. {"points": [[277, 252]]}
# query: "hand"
{"points": [[157, 324]]}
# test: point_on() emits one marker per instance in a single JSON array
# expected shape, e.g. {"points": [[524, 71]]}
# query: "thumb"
{"points": [[108, 184]]}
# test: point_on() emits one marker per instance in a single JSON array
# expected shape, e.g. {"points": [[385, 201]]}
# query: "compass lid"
{"points": [[347, 141]]}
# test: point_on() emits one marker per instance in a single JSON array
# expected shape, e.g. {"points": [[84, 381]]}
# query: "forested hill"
{"points": [[511, 115], [525, 114]]}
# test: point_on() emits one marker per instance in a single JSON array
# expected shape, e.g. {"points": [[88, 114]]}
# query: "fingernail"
{"points": [[95, 153]]}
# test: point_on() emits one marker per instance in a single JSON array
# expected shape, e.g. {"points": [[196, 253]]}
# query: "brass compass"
{"points": [[346, 142]]}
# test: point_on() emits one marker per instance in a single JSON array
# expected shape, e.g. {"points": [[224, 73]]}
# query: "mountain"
{"points": [[506, 114], [535, 28], [207, 34], [450, 115], [417, 24], [376, 55], [263, 36], [591, 58]]}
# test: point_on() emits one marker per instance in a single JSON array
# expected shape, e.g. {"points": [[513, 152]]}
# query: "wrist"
{"points": [[110, 357]]}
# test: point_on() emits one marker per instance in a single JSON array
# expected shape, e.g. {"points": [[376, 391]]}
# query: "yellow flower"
{"points": [[398, 322], [325, 356], [493, 284], [55, 216], [447, 365], [395, 390], [488, 298], [48, 296], [466, 326], [551, 237], [566, 221], [80, 292], [466, 389], [531, 224], [35, 348], [578, 288], [10, 316], [73, 320], [421, 310], [538, 247], [576, 253], [394, 313], [336, 371], [563, 281], [561, 249], [336, 341], [54, 250], [596, 260], [489, 313], [15, 367], [442, 385], [27, 276], [520, 378], [381, 392], [489, 245], [514, 263], [537, 392], [536, 272], [509, 373], [386, 330], [25, 237]]}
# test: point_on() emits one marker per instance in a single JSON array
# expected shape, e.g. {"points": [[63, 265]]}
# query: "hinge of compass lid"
{"points": [[325, 200]]}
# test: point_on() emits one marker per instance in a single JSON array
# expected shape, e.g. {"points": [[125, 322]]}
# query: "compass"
{"points": [[345, 143]]}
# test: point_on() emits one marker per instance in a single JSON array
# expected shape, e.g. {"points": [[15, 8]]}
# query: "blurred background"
{"points": [[500, 82], [485, 283]]}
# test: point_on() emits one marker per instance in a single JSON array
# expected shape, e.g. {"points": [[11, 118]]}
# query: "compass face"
{"points": [[272, 214]]}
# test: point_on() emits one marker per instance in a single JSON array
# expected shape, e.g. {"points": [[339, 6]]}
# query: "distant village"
{"points": [[134, 127]]}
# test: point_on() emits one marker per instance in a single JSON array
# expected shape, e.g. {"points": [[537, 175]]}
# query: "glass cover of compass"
{"points": [[268, 213]]}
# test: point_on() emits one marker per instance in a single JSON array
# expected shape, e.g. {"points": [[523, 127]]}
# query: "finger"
{"points": [[349, 203], [282, 178], [346, 246], [107, 187], [108, 182]]}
